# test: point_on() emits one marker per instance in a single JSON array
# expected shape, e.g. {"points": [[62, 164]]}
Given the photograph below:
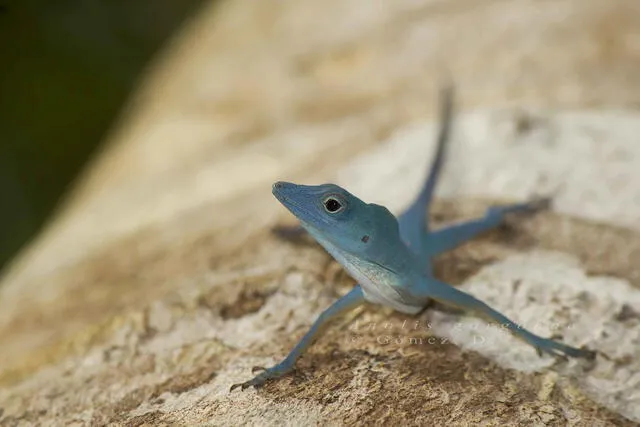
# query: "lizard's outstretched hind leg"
{"points": [[450, 237], [413, 221], [448, 295]]}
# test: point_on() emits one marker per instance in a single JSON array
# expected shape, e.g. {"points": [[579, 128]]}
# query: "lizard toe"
{"points": [[267, 374]]}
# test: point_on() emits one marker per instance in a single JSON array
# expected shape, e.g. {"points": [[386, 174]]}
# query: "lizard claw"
{"points": [[527, 208], [235, 386], [562, 357], [267, 374], [552, 352], [562, 351], [587, 354]]}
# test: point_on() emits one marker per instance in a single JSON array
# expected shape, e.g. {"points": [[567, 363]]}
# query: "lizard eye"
{"points": [[332, 205]]}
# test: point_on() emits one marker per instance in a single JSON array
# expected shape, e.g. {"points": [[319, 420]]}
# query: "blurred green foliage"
{"points": [[66, 68]]}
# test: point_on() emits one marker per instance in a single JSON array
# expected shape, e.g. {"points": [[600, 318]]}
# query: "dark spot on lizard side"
{"points": [[365, 239]]}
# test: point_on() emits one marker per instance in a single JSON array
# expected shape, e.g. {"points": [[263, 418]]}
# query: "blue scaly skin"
{"points": [[391, 257]]}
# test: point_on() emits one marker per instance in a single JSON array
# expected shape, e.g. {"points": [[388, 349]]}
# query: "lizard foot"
{"points": [[554, 348], [267, 374], [527, 208]]}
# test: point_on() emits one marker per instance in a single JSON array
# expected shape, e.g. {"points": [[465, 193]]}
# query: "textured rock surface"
{"points": [[159, 285]]}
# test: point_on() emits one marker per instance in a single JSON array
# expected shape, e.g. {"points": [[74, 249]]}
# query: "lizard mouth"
{"points": [[298, 203], [279, 187], [280, 190]]}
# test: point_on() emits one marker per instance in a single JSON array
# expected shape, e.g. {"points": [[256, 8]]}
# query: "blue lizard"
{"points": [[390, 257]]}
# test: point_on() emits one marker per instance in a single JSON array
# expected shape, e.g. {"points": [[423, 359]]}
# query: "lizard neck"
{"points": [[381, 283]]}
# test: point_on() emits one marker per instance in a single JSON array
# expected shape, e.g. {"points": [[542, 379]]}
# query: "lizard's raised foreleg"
{"points": [[448, 238]]}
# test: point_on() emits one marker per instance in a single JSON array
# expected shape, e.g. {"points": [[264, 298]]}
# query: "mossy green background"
{"points": [[66, 69]]}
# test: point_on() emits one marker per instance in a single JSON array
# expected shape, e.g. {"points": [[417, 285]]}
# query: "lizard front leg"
{"points": [[448, 238], [351, 300]]}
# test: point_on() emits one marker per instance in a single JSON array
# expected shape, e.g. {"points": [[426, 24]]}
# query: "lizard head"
{"points": [[336, 217]]}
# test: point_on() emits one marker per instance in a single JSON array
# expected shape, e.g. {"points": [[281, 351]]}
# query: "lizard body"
{"points": [[389, 257]]}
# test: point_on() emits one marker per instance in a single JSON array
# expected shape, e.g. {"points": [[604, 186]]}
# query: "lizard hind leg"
{"points": [[446, 294]]}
